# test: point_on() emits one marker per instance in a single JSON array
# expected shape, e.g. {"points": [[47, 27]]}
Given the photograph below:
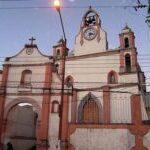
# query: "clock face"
{"points": [[90, 33], [29, 51]]}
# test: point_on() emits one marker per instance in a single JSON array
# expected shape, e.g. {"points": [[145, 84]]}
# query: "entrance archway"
{"points": [[21, 124]]}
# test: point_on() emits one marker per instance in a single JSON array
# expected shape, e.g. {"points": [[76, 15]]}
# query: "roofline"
{"points": [[8, 58]]}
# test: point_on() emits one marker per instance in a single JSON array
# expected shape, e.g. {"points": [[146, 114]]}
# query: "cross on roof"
{"points": [[32, 39], [90, 7]]}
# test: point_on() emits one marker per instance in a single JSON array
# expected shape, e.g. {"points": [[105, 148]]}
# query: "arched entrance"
{"points": [[21, 124]]}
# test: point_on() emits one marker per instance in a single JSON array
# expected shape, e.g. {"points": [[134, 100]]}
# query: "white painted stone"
{"points": [[102, 139], [146, 140], [90, 47]]}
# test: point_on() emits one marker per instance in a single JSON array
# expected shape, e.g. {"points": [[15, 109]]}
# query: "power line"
{"points": [[73, 82], [79, 7], [59, 89], [76, 60], [83, 72], [73, 62], [13, 0], [86, 72], [51, 57], [98, 65], [139, 54], [97, 98]]}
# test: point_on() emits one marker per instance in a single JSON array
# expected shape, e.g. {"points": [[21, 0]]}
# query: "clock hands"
{"points": [[90, 34]]}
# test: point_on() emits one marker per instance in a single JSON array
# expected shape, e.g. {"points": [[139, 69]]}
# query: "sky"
{"points": [[18, 25]]}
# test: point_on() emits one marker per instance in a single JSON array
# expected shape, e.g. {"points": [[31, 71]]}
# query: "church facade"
{"points": [[102, 106]]}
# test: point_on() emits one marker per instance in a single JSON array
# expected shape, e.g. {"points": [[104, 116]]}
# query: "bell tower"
{"points": [[59, 49], [91, 37], [128, 52], [127, 38]]}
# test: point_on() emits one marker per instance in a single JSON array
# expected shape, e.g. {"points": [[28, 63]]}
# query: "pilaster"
{"points": [[106, 104], [42, 142], [74, 107], [64, 125], [2, 99]]}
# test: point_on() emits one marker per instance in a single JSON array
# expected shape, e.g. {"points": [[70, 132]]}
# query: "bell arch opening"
{"points": [[128, 62]]}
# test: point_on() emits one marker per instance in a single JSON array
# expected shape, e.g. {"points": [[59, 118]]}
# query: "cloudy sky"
{"points": [[18, 25]]}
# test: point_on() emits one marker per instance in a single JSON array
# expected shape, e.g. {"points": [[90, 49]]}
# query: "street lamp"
{"points": [[57, 6]]}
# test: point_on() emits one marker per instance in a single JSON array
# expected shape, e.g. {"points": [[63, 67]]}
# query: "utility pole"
{"points": [[148, 14], [62, 143]]}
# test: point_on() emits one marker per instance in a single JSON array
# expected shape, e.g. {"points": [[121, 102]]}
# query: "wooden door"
{"points": [[90, 112]]}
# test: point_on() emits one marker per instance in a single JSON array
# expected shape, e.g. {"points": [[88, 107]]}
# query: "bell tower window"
{"points": [[126, 42], [128, 62], [58, 52]]}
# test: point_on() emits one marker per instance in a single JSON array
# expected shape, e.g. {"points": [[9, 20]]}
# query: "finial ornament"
{"points": [[126, 26]]}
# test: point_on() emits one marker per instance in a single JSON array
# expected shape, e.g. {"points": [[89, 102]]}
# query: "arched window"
{"points": [[112, 77], [55, 107], [126, 42], [128, 62], [69, 81], [26, 77]]}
